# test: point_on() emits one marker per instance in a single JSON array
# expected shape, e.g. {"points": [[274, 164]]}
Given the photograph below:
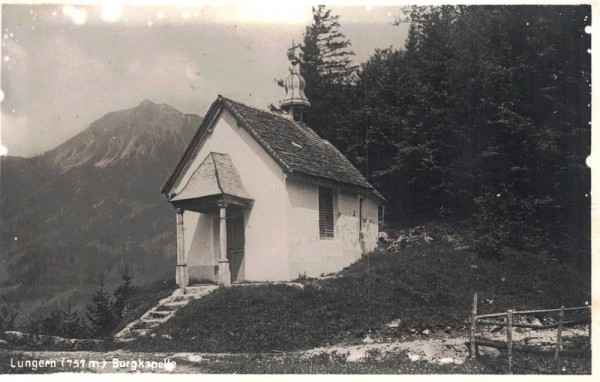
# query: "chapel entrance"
{"points": [[235, 246], [215, 188]]}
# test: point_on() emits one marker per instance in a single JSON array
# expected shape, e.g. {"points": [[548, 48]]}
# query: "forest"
{"points": [[482, 117]]}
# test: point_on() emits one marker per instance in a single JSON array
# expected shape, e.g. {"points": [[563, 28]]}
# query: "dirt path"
{"points": [[443, 349], [439, 349]]}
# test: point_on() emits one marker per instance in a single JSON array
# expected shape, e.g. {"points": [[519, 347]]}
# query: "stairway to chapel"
{"points": [[162, 312]]}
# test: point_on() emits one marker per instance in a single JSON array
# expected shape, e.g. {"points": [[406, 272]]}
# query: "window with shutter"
{"points": [[325, 213]]}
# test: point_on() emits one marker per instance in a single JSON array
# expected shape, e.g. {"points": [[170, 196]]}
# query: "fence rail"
{"points": [[549, 326], [476, 341], [524, 312]]}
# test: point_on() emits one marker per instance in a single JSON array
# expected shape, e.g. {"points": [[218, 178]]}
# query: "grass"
{"points": [[390, 364], [327, 364], [426, 286]]}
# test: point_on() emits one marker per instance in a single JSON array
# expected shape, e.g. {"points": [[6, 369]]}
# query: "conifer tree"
{"points": [[123, 292], [100, 313], [52, 324], [327, 67], [72, 326], [7, 315]]}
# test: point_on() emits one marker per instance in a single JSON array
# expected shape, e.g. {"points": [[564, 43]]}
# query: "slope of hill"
{"points": [[394, 293], [77, 213]]}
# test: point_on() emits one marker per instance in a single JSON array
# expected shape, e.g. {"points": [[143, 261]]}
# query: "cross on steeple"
{"points": [[291, 53]]}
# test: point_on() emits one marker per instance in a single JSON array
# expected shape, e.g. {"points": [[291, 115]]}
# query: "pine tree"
{"points": [[72, 326], [325, 49], [412, 40], [123, 292], [327, 67], [100, 313], [8, 314], [52, 324]]}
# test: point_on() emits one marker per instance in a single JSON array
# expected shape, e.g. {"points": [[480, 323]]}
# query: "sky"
{"points": [[64, 66]]}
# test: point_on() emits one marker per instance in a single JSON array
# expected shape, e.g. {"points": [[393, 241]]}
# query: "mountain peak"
{"points": [[125, 135], [147, 102]]}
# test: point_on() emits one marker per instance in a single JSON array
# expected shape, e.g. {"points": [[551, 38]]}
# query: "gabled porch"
{"points": [[215, 189]]}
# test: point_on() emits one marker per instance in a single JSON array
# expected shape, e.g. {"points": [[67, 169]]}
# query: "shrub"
{"points": [[8, 314], [505, 219]]}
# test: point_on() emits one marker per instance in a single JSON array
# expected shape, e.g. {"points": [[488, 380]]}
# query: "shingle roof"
{"points": [[216, 175], [294, 145]]}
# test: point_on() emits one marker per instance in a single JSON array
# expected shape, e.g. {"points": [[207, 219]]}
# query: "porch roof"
{"points": [[215, 179]]}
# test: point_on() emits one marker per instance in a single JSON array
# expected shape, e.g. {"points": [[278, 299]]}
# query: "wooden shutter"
{"points": [[325, 213]]}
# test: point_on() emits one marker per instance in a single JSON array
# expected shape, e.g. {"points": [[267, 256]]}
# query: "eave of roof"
{"points": [[183, 163]]}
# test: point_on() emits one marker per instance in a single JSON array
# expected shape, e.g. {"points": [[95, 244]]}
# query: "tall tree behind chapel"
{"points": [[329, 73]]}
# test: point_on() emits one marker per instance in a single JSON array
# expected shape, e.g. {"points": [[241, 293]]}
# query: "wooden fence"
{"points": [[510, 324]]}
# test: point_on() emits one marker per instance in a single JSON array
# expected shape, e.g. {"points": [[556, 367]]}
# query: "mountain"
{"points": [[76, 214]]}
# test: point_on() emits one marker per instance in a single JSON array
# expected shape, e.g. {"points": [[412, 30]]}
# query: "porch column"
{"points": [[224, 273], [182, 277]]}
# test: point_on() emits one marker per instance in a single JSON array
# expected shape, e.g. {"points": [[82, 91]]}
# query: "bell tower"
{"points": [[295, 102]]}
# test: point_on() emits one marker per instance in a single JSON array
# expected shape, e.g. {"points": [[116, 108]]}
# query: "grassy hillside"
{"points": [[426, 286]]}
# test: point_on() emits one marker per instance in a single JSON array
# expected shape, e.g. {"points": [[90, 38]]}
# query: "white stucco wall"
{"points": [[266, 236], [370, 229], [313, 256]]}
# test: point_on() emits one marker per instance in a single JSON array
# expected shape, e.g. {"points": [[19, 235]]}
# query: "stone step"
{"points": [[161, 313], [154, 321], [165, 309], [125, 339], [163, 316], [143, 324], [138, 332], [176, 304], [168, 308]]}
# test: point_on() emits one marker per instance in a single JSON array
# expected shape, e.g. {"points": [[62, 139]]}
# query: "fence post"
{"points": [[509, 341], [559, 337], [474, 327], [590, 332]]}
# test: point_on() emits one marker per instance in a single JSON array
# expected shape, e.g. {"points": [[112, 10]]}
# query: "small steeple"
{"points": [[295, 102]]}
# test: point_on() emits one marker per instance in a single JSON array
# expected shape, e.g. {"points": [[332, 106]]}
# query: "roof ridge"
{"points": [[260, 110], [301, 124], [211, 154], [190, 178], [307, 130]]}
